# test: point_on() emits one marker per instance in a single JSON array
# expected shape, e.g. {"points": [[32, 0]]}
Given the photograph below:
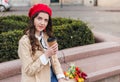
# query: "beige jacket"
{"points": [[32, 68]]}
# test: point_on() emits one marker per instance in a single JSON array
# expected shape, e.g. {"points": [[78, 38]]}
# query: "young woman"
{"points": [[39, 60]]}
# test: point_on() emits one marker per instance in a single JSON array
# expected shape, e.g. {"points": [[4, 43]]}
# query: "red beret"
{"points": [[39, 7]]}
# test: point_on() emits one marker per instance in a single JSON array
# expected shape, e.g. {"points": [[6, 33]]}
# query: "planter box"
{"points": [[101, 61]]}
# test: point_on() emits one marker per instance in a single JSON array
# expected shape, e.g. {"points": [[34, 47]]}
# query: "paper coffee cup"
{"points": [[51, 41]]}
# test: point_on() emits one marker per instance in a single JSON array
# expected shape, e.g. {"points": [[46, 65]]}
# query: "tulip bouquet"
{"points": [[74, 72]]}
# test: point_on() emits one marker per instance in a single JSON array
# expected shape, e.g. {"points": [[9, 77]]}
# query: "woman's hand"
{"points": [[51, 50]]}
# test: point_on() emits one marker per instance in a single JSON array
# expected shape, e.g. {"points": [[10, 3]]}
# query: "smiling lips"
{"points": [[41, 26]]}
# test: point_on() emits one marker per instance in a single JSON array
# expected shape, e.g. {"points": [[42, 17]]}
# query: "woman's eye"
{"points": [[39, 18], [46, 20]]}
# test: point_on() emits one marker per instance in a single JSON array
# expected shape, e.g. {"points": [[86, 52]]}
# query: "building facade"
{"points": [[109, 3]]}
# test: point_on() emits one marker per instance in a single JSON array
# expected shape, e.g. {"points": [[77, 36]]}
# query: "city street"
{"points": [[100, 19]]}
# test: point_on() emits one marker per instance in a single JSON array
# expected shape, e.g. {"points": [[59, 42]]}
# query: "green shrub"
{"points": [[22, 18], [9, 45], [69, 33], [10, 24], [75, 34], [60, 21]]}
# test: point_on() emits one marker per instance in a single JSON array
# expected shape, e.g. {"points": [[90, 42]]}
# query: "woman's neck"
{"points": [[38, 33]]}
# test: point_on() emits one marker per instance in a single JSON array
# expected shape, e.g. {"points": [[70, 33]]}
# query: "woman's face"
{"points": [[41, 22]]}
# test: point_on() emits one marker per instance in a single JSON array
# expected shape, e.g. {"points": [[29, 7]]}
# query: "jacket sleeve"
{"points": [[29, 66], [56, 65]]}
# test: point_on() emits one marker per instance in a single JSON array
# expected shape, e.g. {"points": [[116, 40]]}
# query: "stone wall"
{"points": [[20, 2], [40, 1], [27, 2], [115, 78], [72, 1], [89, 2], [109, 3], [103, 3]]}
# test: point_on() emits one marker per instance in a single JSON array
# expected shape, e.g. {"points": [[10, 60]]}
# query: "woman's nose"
{"points": [[42, 22]]}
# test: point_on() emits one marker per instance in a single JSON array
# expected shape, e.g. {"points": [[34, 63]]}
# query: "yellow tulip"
{"points": [[71, 76], [67, 74], [80, 80]]}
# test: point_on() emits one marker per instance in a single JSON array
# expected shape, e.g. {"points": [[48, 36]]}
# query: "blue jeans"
{"points": [[53, 76]]}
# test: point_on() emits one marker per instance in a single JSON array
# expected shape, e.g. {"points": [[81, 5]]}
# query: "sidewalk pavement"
{"points": [[102, 19]]}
